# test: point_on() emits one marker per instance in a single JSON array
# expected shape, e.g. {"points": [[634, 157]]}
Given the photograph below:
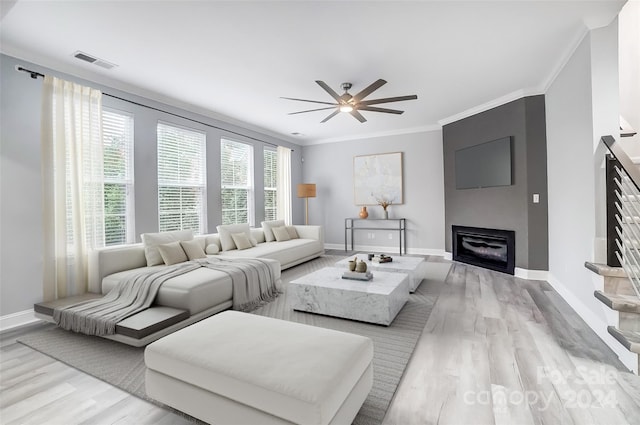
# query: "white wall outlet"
{"points": [[390, 235], [536, 198], [373, 236]]}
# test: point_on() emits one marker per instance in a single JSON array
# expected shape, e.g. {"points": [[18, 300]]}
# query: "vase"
{"points": [[386, 214], [361, 267], [352, 265], [363, 212]]}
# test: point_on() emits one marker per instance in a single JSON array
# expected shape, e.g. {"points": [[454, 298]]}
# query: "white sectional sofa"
{"points": [[192, 296]]}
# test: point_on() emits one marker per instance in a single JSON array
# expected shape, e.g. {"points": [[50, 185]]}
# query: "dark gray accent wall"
{"points": [[537, 214], [505, 207]]}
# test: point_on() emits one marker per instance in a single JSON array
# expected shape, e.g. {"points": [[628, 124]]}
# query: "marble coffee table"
{"points": [[376, 301], [413, 266]]}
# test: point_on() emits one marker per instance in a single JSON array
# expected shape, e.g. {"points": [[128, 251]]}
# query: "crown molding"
{"points": [[568, 54], [510, 97], [411, 130]]}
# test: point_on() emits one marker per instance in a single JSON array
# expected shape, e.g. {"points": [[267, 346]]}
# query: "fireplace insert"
{"points": [[493, 249]]}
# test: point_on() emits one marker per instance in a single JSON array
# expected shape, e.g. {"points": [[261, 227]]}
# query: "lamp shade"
{"points": [[307, 190]]}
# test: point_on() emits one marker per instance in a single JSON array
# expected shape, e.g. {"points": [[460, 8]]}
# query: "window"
{"points": [[237, 182], [270, 184], [181, 179], [117, 140]]}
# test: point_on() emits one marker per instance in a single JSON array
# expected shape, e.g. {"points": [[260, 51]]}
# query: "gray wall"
{"points": [[580, 109], [330, 166], [505, 207], [20, 178]]}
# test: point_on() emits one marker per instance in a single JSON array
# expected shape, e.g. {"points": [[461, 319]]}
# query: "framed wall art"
{"points": [[378, 178]]}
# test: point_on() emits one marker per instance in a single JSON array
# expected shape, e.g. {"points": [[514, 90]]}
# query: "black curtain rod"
{"points": [[35, 76]]}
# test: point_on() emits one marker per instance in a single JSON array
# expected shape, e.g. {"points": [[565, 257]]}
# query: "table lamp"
{"points": [[306, 191]]}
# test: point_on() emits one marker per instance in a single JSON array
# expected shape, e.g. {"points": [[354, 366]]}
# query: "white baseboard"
{"points": [[388, 249], [531, 274], [16, 320], [629, 359], [448, 256]]}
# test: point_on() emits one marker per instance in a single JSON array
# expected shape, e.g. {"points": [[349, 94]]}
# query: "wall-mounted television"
{"points": [[484, 165]]}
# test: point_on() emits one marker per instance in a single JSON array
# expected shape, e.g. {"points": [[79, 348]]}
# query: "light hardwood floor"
{"points": [[495, 350]]}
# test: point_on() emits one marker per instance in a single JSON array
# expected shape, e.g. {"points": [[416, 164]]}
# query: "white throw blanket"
{"points": [[252, 279]]}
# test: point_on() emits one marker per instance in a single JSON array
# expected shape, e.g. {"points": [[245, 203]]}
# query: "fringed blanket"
{"points": [[252, 279]]}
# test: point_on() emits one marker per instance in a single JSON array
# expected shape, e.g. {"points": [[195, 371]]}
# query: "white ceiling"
{"points": [[235, 59]]}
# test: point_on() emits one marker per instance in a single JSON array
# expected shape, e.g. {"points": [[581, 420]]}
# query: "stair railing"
{"points": [[623, 182]]}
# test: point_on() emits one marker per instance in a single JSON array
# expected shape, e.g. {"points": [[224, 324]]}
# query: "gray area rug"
{"points": [[123, 366]]}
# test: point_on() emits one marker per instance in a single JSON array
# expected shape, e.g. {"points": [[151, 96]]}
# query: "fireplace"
{"points": [[493, 249]]}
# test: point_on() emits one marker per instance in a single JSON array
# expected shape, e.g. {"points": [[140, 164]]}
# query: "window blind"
{"points": [[236, 166], [181, 179], [117, 138], [270, 184]]}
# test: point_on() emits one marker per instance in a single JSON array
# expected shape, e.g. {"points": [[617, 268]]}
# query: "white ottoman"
{"points": [[239, 368]]}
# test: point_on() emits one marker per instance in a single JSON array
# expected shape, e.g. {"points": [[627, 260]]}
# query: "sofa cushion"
{"points": [[258, 234], [297, 372], [152, 240], [293, 233], [267, 226], [281, 234], [226, 230], [241, 240], [195, 291], [193, 249], [213, 238], [212, 249], [286, 252], [172, 253]]}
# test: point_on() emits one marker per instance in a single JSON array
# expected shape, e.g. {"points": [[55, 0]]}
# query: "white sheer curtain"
{"points": [[73, 194], [284, 185]]}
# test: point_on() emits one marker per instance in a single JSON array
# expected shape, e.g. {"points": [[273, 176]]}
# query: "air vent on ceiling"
{"points": [[96, 61]]}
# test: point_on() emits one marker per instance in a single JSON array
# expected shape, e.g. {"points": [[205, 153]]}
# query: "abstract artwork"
{"points": [[377, 178]]}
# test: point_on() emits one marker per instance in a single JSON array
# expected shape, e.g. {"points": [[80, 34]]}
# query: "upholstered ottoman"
{"points": [[240, 368]]}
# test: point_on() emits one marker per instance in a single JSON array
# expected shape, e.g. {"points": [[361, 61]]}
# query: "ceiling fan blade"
{"points": [[367, 91], [388, 99], [333, 114], [329, 90], [374, 109], [311, 110], [311, 101], [358, 116]]}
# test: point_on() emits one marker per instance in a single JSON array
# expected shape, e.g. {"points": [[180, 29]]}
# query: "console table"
{"points": [[399, 225]]}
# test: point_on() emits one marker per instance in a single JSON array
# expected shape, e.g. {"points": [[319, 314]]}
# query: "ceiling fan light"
{"points": [[346, 108]]}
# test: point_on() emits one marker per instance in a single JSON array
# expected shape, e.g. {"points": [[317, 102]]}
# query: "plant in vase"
{"points": [[384, 203]]}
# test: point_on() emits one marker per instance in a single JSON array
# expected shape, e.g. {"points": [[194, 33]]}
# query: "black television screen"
{"points": [[484, 165]]}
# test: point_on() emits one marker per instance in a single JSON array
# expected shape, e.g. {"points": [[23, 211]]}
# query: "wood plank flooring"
{"points": [[495, 350], [502, 350]]}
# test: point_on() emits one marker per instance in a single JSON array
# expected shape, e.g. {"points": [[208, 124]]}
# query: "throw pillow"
{"points": [[226, 230], [152, 240], [241, 240], [281, 233], [267, 226], [193, 249], [172, 253], [212, 249], [293, 233]]}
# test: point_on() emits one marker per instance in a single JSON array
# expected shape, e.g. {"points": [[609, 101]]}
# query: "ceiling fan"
{"points": [[353, 104]]}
